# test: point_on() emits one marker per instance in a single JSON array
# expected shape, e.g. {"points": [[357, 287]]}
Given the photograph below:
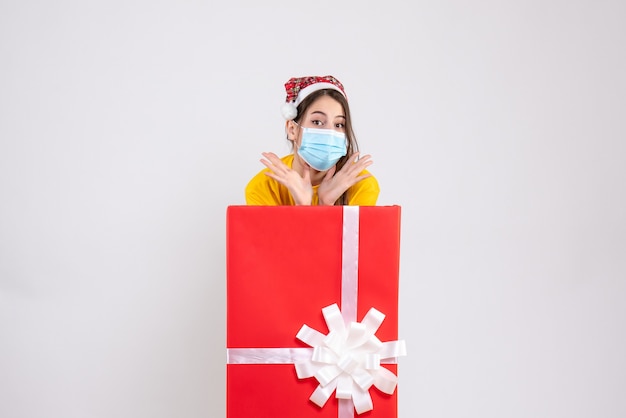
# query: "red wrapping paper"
{"points": [[283, 267]]}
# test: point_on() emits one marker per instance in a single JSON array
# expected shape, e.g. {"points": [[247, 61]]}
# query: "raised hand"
{"points": [[334, 185], [299, 186]]}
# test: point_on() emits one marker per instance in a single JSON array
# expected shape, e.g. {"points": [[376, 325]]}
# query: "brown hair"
{"points": [[351, 143]]}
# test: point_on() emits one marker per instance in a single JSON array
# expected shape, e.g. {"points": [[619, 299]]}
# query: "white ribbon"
{"points": [[347, 360], [350, 263], [267, 355]]}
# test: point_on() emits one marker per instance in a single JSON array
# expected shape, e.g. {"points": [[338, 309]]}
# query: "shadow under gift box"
{"points": [[284, 264]]}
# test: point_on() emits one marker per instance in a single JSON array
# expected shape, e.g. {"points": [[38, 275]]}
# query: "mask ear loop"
{"points": [[287, 133], [294, 145]]}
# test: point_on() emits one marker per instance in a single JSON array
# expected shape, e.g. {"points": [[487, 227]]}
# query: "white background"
{"points": [[127, 128]]}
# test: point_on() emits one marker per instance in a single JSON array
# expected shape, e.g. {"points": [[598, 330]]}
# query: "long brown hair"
{"points": [[351, 143]]}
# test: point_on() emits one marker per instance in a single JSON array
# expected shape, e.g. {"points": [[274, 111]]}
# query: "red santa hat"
{"points": [[300, 87]]}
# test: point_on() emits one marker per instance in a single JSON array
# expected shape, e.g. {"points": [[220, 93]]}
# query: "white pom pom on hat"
{"points": [[298, 88], [289, 111]]}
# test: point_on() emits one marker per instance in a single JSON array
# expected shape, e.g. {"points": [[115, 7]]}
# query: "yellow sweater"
{"points": [[265, 191]]}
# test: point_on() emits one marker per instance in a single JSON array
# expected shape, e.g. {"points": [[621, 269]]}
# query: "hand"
{"points": [[299, 186], [334, 185]]}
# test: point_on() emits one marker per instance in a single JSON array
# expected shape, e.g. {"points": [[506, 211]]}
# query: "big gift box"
{"points": [[300, 285]]}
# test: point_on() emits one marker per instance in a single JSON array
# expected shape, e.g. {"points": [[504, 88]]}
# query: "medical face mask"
{"points": [[322, 148]]}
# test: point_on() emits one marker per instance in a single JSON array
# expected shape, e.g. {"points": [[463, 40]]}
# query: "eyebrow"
{"points": [[315, 112]]}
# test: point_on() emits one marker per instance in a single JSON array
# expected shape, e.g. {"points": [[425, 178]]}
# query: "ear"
{"points": [[291, 129]]}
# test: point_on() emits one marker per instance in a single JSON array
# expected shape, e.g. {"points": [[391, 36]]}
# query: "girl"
{"points": [[324, 168]]}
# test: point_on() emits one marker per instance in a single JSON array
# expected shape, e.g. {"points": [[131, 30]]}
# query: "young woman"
{"points": [[325, 167]]}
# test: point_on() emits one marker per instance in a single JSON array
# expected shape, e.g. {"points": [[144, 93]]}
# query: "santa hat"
{"points": [[299, 88]]}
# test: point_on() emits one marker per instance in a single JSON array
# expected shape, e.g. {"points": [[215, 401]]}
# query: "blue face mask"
{"points": [[322, 148]]}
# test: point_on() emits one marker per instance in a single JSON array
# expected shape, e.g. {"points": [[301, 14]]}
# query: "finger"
{"points": [[273, 167], [363, 165], [364, 176], [354, 157], [267, 164], [274, 176], [267, 161], [357, 167], [275, 164], [330, 173], [363, 162], [273, 158]]}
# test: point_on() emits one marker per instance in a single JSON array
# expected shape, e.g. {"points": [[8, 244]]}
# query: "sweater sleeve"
{"points": [[258, 191], [364, 193]]}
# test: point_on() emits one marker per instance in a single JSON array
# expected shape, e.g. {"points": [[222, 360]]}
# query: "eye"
{"points": [[340, 125], [317, 122]]}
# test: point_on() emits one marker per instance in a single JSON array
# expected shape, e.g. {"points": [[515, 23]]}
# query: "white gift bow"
{"points": [[347, 360], [350, 392]]}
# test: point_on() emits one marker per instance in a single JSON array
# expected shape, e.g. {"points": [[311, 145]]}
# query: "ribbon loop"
{"points": [[306, 369], [385, 381], [344, 387], [335, 342], [363, 379], [392, 349], [362, 401], [372, 320], [333, 318], [321, 394], [310, 336], [357, 335], [348, 363], [372, 361]]}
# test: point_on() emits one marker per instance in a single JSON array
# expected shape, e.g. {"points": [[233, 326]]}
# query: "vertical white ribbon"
{"points": [[345, 408], [350, 264], [349, 282]]}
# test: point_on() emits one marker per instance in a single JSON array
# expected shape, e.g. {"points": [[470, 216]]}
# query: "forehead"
{"points": [[327, 105]]}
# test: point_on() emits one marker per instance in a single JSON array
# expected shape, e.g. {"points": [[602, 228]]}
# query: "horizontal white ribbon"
{"points": [[277, 356], [267, 355]]}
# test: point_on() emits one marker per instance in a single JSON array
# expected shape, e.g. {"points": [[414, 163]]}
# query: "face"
{"points": [[324, 113]]}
